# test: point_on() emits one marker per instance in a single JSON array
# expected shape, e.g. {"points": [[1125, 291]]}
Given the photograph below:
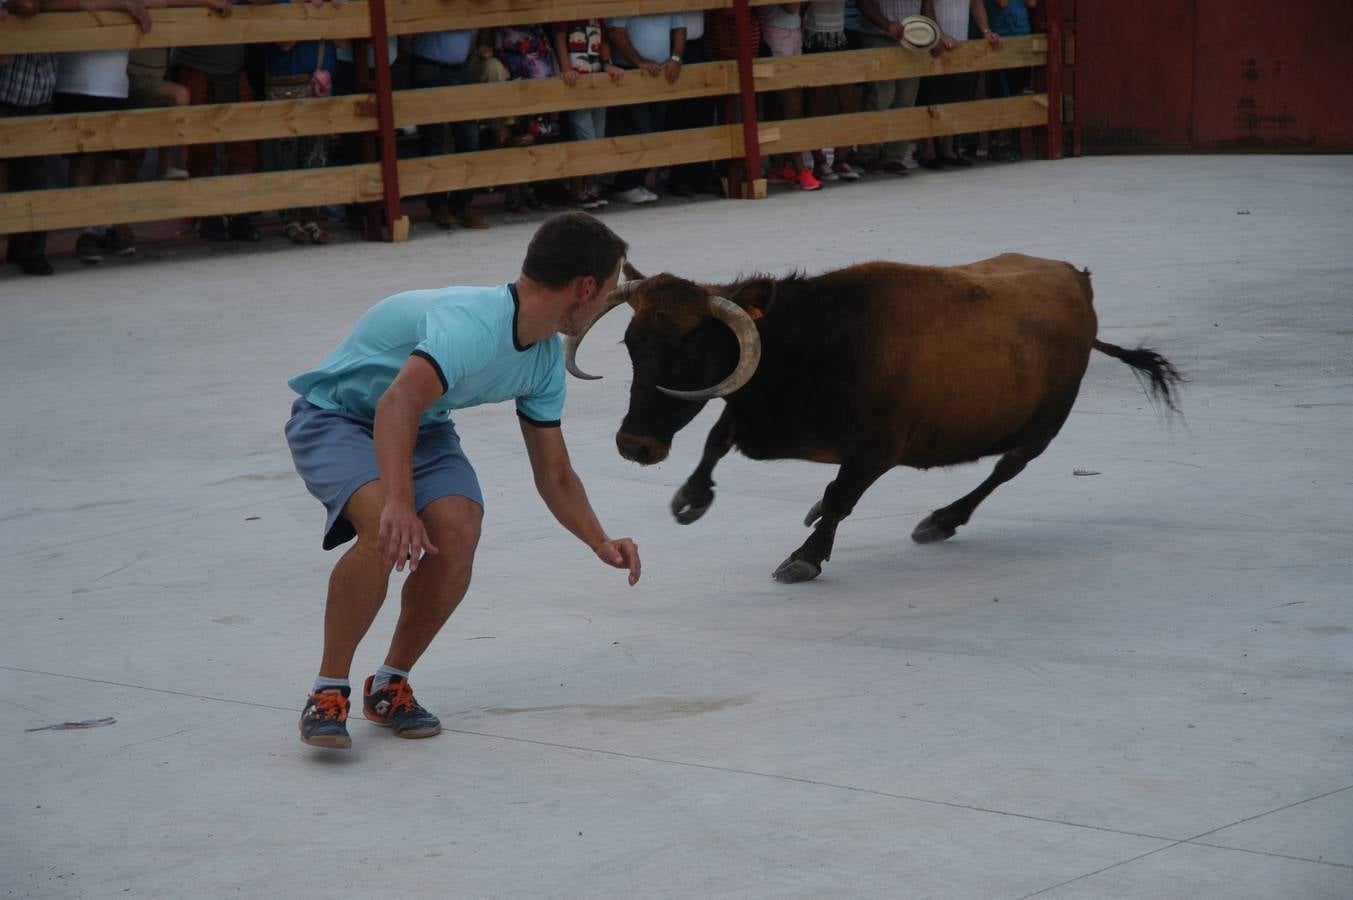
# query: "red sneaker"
{"points": [[804, 181]]}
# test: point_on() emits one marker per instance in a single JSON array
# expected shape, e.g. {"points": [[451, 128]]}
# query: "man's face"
{"points": [[590, 297]]}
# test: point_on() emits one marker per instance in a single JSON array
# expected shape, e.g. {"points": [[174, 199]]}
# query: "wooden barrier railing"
{"points": [[372, 182]]}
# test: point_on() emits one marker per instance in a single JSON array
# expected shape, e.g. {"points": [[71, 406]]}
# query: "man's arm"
{"points": [[620, 40], [563, 493], [402, 535]]}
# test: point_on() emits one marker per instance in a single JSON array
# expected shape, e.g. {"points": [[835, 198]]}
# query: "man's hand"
{"points": [[222, 7], [651, 68], [672, 69], [570, 77], [403, 537], [895, 30], [621, 553], [615, 72], [137, 10]]}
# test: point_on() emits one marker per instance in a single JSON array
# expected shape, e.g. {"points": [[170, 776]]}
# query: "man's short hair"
{"points": [[573, 245]]}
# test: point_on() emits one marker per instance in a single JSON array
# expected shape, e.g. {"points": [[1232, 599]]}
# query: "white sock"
{"points": [[383, 674], [324, 683]]}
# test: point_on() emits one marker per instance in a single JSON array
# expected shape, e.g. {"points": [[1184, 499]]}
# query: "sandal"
{"points": [[317, 234], [297, 233]]}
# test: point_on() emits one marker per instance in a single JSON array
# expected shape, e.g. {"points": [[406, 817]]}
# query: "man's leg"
{"points": [[357, 585]]}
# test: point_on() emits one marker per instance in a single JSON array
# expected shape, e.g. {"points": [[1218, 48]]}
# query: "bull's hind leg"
{"points": [[942, 523], [805, 563], [1027, 445], [695, 496]]}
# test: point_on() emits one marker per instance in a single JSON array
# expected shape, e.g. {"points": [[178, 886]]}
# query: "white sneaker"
{"points": [[635, 195], [649, 196]]}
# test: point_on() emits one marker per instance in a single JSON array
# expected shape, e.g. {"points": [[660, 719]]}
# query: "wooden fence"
{"points": [[380, 111]]}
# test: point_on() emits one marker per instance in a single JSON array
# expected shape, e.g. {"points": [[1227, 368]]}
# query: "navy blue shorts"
{"points": [[335, 454]]}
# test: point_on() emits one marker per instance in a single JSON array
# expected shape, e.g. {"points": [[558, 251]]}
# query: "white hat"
{"points": [[920, 33]]}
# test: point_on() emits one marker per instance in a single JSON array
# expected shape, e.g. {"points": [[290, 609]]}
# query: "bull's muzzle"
{"points": [[643, 450]]}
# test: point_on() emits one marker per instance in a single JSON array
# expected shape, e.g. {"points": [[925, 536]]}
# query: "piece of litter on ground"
{"points": [[70, 726], [1085, 472]]}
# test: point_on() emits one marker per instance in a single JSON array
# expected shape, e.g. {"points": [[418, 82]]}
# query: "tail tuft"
{"points": [[1164, 378]]}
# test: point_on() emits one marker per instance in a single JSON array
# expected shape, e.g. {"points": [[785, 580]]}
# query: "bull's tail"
{"points": [[1164, 378]]}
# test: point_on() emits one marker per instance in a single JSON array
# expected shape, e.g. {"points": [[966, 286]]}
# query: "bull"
{"points": [[867, 367]]}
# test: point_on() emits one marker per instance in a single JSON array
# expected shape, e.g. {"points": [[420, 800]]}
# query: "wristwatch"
{"points": [[674, 58]]}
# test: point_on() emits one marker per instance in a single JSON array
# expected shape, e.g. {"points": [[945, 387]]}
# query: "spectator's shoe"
{"points": [[895, 167], [845, 171], [930, 162], [783, 175], [394, 707], [635, 195], [1003, 153], [824, 172], [88, 249], [241, 228], [873, 165], [33, 265], [468, 218], [441, 214], [804, 181], [958, 161], [118, 241], [649, 196], [213, 228], [324, 719], [174, 173]]}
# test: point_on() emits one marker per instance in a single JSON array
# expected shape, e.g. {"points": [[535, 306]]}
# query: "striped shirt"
{"points": [[29, 80]]}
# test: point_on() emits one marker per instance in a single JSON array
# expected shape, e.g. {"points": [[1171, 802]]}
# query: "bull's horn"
{"points": [[749, 351], [571, 342]]}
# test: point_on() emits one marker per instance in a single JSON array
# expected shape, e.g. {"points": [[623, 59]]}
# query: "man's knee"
{"points": [[454, 525]]}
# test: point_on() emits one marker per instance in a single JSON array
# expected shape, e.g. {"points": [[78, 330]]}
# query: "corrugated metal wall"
{"points": [[1215, 75]]}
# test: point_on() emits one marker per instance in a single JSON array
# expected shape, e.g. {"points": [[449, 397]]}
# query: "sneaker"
{"points": [[650, 197], [895, 167], [824, 172], [468, 218], [213, 228], [174, 173], [88, 249], [845, 171], [783, 175], [635, 195], [324, 719], [804, 181], [241, 228], [394, 706], [118, 241]]}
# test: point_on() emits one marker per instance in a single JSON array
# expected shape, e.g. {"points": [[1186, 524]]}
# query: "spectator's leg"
{"points": [[27, 173]]}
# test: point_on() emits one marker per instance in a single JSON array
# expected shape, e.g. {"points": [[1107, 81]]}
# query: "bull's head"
{"points": [[687, 345]]}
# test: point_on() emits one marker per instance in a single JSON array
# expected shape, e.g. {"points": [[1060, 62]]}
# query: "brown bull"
{"points": [[868, 367]]}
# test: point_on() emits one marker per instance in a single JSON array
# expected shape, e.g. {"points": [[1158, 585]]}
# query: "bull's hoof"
{"points": [[931, 532], [792, 571], [813, 515], [690, 503]]}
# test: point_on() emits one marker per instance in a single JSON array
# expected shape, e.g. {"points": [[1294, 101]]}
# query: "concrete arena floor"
{"points": [[1130, 684]]}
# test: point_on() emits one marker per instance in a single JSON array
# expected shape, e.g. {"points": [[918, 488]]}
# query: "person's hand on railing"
{"points": [[615, 72], [651, 68], [570, 77], [222, 7], [895, 30], [672, 70], [137, 10], [947, 43], [993, 39]]}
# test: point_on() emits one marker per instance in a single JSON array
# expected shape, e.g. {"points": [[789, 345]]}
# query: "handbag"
{"points": [[318, 83]]}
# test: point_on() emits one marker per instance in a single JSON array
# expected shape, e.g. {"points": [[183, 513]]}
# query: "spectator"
{"points": [[952, 17], [824, 31], [524, 50], [1008, 18], [582, 49], [149, 88], [782, 30], [696, 112], [215, 74], [640, 43], [348, 148], [298, 70], [441, 59], [881, 26]]}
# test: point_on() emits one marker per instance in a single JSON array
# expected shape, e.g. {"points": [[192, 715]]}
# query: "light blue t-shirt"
{"points": [[651, 35], [469, 334]]}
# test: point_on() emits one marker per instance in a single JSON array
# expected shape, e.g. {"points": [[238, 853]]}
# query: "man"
{"points": [[652, 44], [881, 26], [372, 438], [444, 59]]}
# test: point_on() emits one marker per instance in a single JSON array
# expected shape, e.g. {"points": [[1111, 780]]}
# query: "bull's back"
{"points": [[966, 357]]}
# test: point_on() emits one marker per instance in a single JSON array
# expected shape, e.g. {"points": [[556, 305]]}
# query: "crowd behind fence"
{"points": [[356, 106]]}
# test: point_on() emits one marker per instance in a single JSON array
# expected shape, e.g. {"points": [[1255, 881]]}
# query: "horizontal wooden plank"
{"points": [[549, 161], [855, 66], [154, 200], [61, 32], [1026, 110], [92, 132], [74, 207]]}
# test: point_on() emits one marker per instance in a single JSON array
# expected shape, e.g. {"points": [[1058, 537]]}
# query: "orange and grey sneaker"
{"points": [[324, 719], [394, 707]]}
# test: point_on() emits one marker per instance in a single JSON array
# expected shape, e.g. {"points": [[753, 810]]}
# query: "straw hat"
{"points": [[920, 33]]}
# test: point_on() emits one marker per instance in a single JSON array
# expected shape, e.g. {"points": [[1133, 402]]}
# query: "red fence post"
{"points": [[395, 228], [751, 142]]}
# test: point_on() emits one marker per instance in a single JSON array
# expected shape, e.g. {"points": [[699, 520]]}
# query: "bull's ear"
{"points": [[757, 297], [631, 273]]}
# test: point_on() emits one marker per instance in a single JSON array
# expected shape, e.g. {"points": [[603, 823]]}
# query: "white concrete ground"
{"points": [[1129, 684]]}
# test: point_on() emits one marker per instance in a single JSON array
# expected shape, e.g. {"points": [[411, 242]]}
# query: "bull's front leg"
{"points": [[853, 479], [695, 496]]}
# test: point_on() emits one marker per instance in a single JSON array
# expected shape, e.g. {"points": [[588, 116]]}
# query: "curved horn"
{"points": [[572, 342], [749, 351]]}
